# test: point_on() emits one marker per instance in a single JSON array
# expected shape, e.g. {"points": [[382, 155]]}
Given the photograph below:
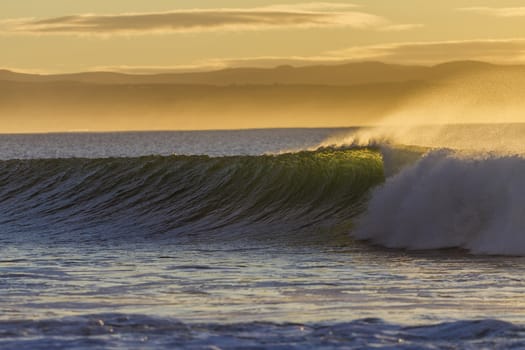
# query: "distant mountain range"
{"points": [[339, 75], [315, 96]]}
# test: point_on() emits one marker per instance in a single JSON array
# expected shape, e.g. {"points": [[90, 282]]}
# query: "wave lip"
{"points": [[448, 199]]}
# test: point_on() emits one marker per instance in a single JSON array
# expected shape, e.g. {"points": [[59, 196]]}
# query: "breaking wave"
{"points": [[451, 199], [431, 199]]}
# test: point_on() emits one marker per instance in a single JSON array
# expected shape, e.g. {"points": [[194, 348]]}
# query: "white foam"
{"points": [[451, 199]]}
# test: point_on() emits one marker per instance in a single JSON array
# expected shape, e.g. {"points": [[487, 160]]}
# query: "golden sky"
{"points": [[55, 36]]}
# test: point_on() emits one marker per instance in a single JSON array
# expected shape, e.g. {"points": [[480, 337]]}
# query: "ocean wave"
{"points": [[451, 199], [431, 199], [180, 196]]}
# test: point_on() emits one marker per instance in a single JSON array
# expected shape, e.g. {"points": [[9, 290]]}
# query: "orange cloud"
{"points": [[497, 12], [509, 51], [497, 51], [309, 15]]}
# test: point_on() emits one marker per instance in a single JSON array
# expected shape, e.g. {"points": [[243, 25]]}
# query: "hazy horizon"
{"points": [[346, 95]]}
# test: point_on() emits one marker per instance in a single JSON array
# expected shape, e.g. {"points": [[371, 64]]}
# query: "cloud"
{"points": [[205, 66], [496, 51], [222, 63], [400, 27], [309, 15], [313, 6], [509, 51], [497, 12]]}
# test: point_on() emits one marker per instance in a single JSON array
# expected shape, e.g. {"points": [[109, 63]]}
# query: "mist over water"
{"points": [[503, 139], [463, 189]]}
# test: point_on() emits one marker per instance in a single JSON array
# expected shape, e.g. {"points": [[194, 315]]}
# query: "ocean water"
{"points": [[258, 239]]}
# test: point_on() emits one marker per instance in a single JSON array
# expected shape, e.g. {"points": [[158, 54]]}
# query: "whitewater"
{"points": [[291, 238]]}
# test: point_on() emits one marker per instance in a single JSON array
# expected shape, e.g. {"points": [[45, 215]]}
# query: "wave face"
{"points": [[448, 199], [181, 196]]}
